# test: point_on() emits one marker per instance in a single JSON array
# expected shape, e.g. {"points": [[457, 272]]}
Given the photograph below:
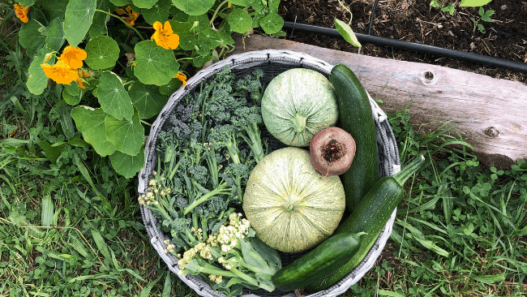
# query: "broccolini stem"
{"points": [[244, 276], [254, 141], [211, 269], [220, 190]]}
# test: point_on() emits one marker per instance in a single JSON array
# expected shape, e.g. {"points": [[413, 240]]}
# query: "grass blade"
{"points": [[167, 288], [146, 290], [47, 211], [101, 244], [389, 293], [490, 279], [79, 246]]}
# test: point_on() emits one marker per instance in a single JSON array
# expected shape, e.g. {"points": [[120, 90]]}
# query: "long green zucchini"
{"points": [[324, 259], [355, 116], [370, 216]]}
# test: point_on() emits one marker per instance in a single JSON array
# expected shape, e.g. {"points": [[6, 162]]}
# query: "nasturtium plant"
{"points": [[114, 63]]}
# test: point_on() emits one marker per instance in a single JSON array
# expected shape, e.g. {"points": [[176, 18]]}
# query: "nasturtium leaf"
{"points": [[79, 17], [202, 47], [90, 122], [100, 19], [147, 99], [26, 2], [272, 23], [273, 5], [473, 3], [54, 9], [113, 97], [211, 36], [146, 4], [71, 99], [188, 42], [180, 17], [258, 6], [240, 21], [199, 22], [37, 80], [55, 38], [154, 64], [159, 12], [225, 38], [171, 87], [346, 32], [243, 3], [194, 7], [256, 20], [199, 61], [121, 2], [127, 165], [73, 89], [181, 28], [102, 52], [31, 38], [126, 135]]}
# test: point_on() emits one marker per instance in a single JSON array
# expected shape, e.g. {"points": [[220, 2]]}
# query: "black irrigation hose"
{"points": [[421, 48]]}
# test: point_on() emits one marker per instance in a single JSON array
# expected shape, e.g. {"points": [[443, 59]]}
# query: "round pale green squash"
{"points": [[291, 207], [297, 104]]}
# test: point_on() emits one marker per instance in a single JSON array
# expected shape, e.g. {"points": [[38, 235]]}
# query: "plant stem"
{"points": [[218, 191], [119, 18], [347, 9], [299, 123], [186, 58], [148, 124], [216, 12]]}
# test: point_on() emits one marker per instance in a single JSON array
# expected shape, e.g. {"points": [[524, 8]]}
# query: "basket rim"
{"points": [[249, 60]]}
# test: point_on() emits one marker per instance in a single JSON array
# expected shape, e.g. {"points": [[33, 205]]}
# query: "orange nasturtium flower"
{"points": [[21, 12], [131, 16], [73, 56], [61, 72], [165, 37], [182, 77], [79, 81]]}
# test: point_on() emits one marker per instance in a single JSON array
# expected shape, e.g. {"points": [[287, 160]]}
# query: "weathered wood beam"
{"points": [[491, 114]]}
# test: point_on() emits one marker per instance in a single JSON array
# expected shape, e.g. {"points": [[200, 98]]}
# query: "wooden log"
{"points": [[489, 113]]}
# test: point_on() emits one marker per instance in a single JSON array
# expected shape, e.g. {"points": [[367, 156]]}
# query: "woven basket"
{"points": [[272, 62]]}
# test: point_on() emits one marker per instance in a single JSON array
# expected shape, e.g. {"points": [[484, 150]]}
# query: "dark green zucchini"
{"points": [[325, 258], [370, 216], [355, 116]]}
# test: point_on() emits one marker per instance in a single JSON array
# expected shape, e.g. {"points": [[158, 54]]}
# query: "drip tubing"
{"points": [[410, 46]]}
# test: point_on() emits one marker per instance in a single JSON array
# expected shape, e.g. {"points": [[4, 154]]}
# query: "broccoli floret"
{"points": [[244, 116], [239, 173], [200, 174], [217, 205]]}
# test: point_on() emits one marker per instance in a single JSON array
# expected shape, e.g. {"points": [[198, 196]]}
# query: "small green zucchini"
{"points": [[370, 217], [325, 258]]}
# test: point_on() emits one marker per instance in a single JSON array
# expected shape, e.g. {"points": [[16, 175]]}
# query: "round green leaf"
{"points": [[203, 47], [144, 3], [243, 3], [26, 2], [90, 122], [102, 52], [147, 99], [37, 80], [194, 7], [98, 26], [188, 42], [154, 65], [54, 9], [71, 99], [240, 21], [199, 61], [126, 135], [159, 12], [79, 17], [272, 23], [113, 97], [55, 38], [225, 38], [30, 37], [200, 22], [212, 37], [171, 87], [126, 165]]}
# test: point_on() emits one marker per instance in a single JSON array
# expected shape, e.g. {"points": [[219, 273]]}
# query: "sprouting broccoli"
{"points": [[239, 173], [248, 119]]}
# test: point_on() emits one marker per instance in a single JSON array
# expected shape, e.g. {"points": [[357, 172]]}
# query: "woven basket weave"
{"points": [[272, 62]]}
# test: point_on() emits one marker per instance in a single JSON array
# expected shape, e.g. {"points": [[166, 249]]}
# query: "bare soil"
{"points": [[415, 21]]}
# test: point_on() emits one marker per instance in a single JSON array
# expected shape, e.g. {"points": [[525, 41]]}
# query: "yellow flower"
{"points": [[21, 12], [182, 77], [73, 56], [229, 4], [80, 81], [165, 37], [60, 72], [131, 16]]}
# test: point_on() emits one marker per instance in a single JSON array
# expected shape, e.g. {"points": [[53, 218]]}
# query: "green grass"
{"points": [[70, 226]]}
